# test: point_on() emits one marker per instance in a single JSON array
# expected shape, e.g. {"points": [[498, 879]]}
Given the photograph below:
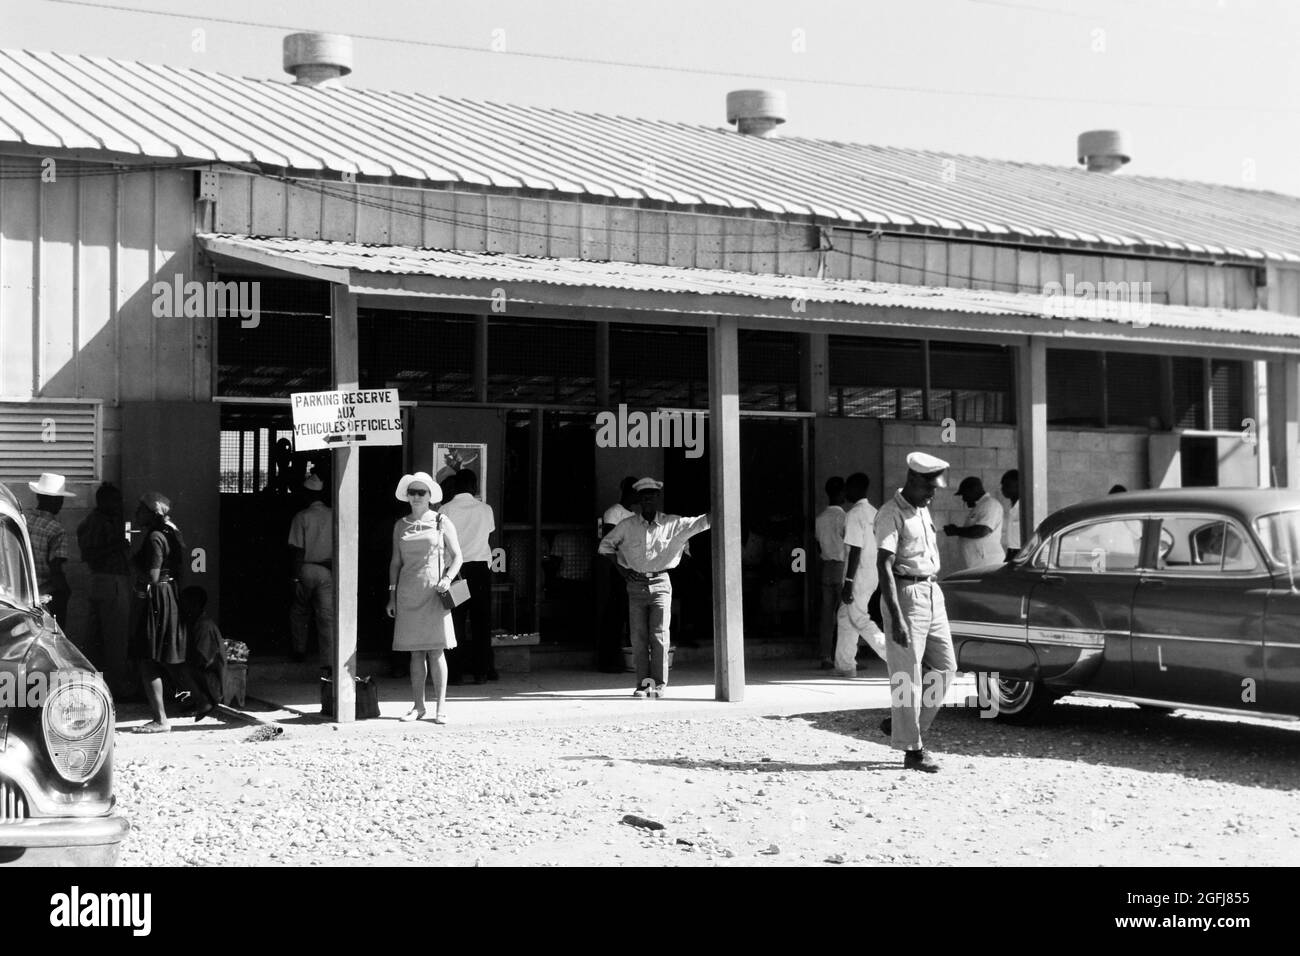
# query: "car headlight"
{"points": [[77, 720]]}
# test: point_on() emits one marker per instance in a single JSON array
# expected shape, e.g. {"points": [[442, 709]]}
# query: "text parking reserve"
{"points": [[330, 419]]}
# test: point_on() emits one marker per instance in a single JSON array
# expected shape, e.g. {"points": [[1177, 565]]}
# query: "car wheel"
{"points": [[1014, 701]]}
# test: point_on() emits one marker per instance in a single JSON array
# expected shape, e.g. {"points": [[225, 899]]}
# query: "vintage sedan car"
{"points": [[56, 727], [1171, 598]]}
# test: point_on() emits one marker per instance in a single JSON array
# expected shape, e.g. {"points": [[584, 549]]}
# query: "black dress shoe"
{"points": [[921, 760], [887, 726]]}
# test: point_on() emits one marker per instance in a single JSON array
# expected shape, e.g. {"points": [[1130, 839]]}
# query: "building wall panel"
{"points": [[96, 294], [20, 209], [135, 271], [57, 300], [303, 212], [375, 206], [175, 339]]}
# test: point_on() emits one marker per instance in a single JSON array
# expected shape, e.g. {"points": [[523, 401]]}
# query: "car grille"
{"points": [[13, 807]]}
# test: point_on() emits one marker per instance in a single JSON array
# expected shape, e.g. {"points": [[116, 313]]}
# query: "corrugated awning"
{"points": [[797, 300]]}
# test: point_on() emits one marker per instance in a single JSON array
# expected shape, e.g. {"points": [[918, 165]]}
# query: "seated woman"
{"points": [[205, 651]]}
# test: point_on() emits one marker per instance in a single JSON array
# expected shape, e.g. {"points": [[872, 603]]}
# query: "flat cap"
{"points": [[648, 484]]}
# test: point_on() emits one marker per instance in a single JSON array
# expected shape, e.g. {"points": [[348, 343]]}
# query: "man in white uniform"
{"points": [[860, 580], [981, 536], [828, 528]]}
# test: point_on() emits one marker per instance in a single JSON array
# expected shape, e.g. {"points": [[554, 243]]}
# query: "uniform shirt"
{"points": [[473, 521], [829, 529], [651, 546], [48, 542], [1011, 526], [908, 533], [312, 529], [977, 552]]}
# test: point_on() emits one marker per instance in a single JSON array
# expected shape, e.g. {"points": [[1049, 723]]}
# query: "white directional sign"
{"points": [[332, 419]]}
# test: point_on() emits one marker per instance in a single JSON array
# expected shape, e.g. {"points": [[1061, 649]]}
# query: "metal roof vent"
{"points": [[1103, 150], [756, 112], [318, 59]]}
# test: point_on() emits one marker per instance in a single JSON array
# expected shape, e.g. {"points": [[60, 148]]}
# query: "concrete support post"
{"points": [[724, 467], [346, 363], [1260, 412], [1031, 432]]}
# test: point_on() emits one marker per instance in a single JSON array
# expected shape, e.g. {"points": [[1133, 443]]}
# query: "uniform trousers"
{"points": [[921, 673], [854, 620], [832, 582], [473, 624]]}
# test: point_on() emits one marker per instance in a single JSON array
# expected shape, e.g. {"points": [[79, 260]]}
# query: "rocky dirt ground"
{"points": [[1095, 784]]}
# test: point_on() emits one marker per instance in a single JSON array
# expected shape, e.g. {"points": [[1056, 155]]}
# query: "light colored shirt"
{"points": [[977, 552], [908, 533], [615, 513], [1011, 525], [473, 521], [651, 546], [859, 532], [829, 530], [312, 529]]}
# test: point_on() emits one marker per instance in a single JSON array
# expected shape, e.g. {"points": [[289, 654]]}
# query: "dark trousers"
{"points": [[473, 624], [612, 619]]}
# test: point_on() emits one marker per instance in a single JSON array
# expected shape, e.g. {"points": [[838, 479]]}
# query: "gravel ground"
{"points": [[1094, 784]]}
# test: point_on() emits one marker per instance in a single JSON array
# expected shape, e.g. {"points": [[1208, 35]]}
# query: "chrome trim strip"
{"points": [[1292, 646], [1146, 635], [1174, 705], [1067, 637], [986, 629]]}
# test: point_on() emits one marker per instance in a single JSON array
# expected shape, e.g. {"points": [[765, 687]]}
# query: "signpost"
{"points": [[344, 420], [324, 420]]}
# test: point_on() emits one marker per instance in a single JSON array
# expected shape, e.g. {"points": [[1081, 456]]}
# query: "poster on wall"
{"points": [[451, 457]]}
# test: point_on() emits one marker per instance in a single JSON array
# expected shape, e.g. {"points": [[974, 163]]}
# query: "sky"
{"points": [[1205, 90]]}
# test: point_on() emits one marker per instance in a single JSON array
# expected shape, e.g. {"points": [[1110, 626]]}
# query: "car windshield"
{"points": [[1280, 534], [15, 582]]}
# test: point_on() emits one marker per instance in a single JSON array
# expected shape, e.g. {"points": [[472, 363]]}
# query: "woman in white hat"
{"points": [[426, 558]]}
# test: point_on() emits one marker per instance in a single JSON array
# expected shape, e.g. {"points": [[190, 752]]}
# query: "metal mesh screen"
{"points": [[426, 357], [1226, 381], [769, 370], [970, 383], [658, 366], [1189, 393], [541, 362], [287, 351], [1074, 387], [875, 378], [1133, 390]]}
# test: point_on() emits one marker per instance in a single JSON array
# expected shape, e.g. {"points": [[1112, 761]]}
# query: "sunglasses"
{"points": [[416, 493]]}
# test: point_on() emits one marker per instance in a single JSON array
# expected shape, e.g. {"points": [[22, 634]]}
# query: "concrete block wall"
{"points": [[1080, 465]]}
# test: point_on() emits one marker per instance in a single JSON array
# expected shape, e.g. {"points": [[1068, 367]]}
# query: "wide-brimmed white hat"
{"points": [[423, 478], [51, 485]]}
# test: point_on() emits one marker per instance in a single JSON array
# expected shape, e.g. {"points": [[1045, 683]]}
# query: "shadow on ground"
{"points": [[1196, 746]]}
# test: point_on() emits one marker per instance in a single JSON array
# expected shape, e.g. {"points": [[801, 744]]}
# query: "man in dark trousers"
{"points": [[102, 539], [474, 523], [643, 548]]}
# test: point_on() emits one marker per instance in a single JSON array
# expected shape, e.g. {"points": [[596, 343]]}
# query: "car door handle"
{"points": [[1053, 579], [1154, 582]]}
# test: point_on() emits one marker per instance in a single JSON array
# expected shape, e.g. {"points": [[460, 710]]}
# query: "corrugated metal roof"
{"points": [[53, 101], [353, 260]]}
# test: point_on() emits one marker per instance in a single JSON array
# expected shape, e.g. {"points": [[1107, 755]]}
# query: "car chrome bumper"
{"points": [[65, 841]]}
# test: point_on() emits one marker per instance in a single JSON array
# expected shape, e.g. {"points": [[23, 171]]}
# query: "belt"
{"points": [[321, 564], [917, 578]]}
